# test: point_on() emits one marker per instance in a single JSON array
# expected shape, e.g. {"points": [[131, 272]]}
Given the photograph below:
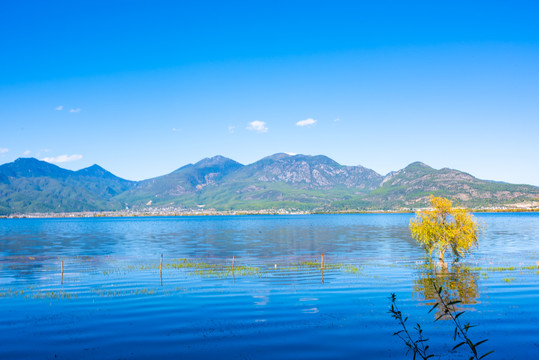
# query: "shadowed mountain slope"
{"points": [[277, 181], [30, 185], [412, 186], [183, 183]]}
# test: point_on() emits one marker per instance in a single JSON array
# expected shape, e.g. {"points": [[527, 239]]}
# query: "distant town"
{"points": [[174, 211]]}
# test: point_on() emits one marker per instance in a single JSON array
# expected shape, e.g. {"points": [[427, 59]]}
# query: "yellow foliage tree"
{"points": [[444, 227]]}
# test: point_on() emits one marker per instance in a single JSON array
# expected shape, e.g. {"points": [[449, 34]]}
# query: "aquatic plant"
{"points": [[417, 346], [59, 294], [202, 268], [461, 329], [501, 268], [30, 294], [448, 311]]}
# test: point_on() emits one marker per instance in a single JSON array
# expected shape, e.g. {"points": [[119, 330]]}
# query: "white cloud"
{"points": [[176, 129], [3, 150], [258, 126], [74, 110], [60, 108], [337, 120], [62, 158], [27, 152], [231, 129], [306, 122], [290, 153]]}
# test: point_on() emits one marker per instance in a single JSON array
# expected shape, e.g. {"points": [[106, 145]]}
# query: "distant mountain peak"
{"points": [[28, 160], [31, 161], [320, 159], [215, 160], [418, 164], [95, 170], [32, 167], [278, 156], [307, 172], [94, 167]]}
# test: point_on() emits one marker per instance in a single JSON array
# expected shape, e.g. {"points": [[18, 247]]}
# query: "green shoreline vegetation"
{"points": [[157, 213]]}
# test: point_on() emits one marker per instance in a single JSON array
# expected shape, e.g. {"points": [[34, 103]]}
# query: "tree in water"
{"points": [[444, 227]]}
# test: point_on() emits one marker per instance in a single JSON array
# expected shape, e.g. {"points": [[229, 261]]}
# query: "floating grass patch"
{"points": [[30, 294], [205, 269], [501, 268], [471, 268], [208, 269], [327, 266], [119, 293], [143, 292], [9, 292], [313, 265], [351, 268], [140, 267], [49, 295], [509, 279]]}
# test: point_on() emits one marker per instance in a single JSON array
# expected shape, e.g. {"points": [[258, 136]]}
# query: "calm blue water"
{"points": [[114, 303]]}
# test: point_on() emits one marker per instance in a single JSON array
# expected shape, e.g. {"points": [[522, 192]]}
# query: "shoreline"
{"points": [[157, 213]]}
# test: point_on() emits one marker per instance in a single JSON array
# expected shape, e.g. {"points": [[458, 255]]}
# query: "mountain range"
{"points": [[280, 181]]}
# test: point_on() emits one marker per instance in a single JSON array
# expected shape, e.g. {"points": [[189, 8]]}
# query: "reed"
{"points": [[448, 311], [417, 346]]}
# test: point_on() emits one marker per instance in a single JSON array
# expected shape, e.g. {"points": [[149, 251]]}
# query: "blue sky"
{"points": [[142, 88]]}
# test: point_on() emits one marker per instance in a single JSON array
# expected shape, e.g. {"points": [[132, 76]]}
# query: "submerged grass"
{"points": [[501, 268], [29, 293], [221, 268], [201, 268]]}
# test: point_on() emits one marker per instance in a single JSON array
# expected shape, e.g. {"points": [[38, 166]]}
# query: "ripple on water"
{"points": [[112, 304]]}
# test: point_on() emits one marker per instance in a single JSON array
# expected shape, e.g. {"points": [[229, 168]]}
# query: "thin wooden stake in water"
{"points": [[62, 281], [322, 267], [233, 264], [161, 270]]}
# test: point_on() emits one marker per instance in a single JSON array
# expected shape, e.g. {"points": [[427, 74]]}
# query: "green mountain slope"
{"points": [[290, 181], [412, 186], [280, 180], [182, 186], [30, 185], [277, 181]]}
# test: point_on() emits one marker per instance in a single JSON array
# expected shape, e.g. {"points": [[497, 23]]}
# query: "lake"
{"points": [[112, 301]]}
